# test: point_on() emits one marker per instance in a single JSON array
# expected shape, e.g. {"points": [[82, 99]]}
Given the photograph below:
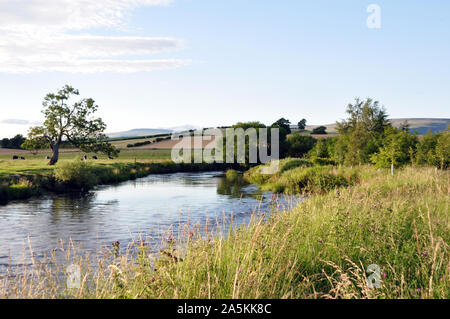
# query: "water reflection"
{"points": [[147, 206]]}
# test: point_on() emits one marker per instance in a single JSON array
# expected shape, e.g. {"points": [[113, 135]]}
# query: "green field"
{"points": [[38, 164]]}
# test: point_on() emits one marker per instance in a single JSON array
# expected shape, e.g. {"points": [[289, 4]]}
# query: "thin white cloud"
{"points": [[34, 37], [19, 122], [96, 66]]}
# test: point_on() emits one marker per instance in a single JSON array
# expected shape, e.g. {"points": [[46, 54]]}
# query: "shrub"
{"points": [[319, 130], [299, 145], [289, 163], [76, 174], [320, 161], [231, 175], [310, 179]]}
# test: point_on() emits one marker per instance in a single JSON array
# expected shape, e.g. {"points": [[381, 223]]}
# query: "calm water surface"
{"points": [[148, 206]]}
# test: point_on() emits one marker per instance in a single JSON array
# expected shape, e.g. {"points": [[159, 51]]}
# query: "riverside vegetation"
{"points": [[320, 249], [21, 182], [356, 215]]}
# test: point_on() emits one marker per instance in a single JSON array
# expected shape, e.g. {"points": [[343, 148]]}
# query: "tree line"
{"points": [[14, 143], [365, 137]]}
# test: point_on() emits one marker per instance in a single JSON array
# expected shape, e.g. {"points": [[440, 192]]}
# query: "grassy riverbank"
{"points": [[21, 179], [320, 249]]}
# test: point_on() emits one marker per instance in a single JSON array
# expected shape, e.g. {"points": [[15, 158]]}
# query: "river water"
{"points": [[147, 207]]}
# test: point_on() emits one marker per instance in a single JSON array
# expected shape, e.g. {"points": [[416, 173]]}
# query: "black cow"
{"points": [[22, 158], [15, 157], [110, 157], [95, 157]]}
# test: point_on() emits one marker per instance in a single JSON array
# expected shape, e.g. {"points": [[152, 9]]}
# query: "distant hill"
{"points": [[139, 132], [151, 131], [421, 125]]}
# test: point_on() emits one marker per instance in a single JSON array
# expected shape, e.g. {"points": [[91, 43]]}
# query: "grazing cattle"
{"points": [[110, 157], [94, 157], [22, 158], [15, 157]]}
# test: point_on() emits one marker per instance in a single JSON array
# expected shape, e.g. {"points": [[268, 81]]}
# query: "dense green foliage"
{"points": [[298, 145], [301, 124], [398, 148], [283, 124], [368, 137], [320, 130], [14, 143]]}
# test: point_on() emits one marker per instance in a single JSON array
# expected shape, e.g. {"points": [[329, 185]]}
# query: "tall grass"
{"points": [[320, 249], [297, 176]]}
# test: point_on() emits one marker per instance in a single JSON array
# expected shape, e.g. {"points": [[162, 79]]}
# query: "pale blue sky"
{"points": [[223, 61]]}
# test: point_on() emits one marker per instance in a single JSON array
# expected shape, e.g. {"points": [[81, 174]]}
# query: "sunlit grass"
{"points": [[37, 164], [320, 249]]}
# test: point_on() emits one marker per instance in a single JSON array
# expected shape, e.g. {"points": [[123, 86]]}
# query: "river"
{"points": [[148, 207]]}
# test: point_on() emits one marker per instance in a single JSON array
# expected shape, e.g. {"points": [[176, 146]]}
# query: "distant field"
{"points": [[38, 164], [32, 164]]}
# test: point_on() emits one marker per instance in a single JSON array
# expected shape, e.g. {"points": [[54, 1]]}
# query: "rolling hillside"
{"points": [[421, 125]]}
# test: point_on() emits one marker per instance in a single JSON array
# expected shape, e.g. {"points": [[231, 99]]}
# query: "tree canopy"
{"points": [[284, 124], [13, 143], [73, 123], [301, 124], [319, 130]]}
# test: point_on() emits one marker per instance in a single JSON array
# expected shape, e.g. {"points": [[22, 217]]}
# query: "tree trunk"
{"points": [[55, 155], [392, 169]]}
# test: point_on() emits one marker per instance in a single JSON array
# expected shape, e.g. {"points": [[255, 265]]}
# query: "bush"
{"points": [[231, 175], [312, 179], [320, 161], [76, 175], [289, 164], [299, 145], [302, 179], [319, 130]]}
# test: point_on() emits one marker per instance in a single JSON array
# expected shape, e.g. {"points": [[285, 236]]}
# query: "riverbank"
{"points": [[320, 249], [76, 176]]}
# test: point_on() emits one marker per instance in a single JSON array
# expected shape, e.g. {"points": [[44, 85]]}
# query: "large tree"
{"points": [[284, 124], [72, 123], [302, 124]]}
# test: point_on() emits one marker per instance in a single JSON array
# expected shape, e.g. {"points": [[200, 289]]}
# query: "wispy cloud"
{"points": [[34, 37], [19, 122]]}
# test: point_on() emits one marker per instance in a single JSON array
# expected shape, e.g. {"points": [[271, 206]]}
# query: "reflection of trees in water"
{"points": [[233, 187], [76, 206]]}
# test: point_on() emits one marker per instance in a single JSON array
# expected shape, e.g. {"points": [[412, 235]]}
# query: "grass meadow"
{"points": [[37, 164], [320, 249]]}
